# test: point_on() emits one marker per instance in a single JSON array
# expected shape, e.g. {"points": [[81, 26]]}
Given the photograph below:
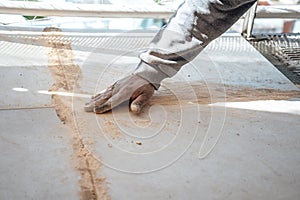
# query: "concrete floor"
{"points": [[187, 144]]}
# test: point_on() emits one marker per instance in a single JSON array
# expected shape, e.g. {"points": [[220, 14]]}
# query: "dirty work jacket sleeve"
{"points": [[195, 24]]}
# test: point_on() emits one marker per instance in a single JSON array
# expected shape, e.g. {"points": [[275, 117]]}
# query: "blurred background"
{"points": [[101, 24]]}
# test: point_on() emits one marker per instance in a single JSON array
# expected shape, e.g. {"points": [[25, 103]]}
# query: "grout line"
{"points": [[29, 108]]}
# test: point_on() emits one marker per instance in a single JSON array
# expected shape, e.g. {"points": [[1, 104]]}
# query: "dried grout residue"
{"points": [[66, 73]]}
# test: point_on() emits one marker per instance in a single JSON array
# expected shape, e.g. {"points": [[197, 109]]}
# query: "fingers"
{"points": [[141, 100], [105, 92], [132, 87], [107, 106], [141, 97], [98, 100], [114, 101]]}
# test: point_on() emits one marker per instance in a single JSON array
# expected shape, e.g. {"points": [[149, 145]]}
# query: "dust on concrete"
{"points": [[200, 93], [112, 128], [252, 94], [66, 74]]}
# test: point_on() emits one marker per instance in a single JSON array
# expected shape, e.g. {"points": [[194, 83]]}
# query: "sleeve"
{"points": [[195, 24]]}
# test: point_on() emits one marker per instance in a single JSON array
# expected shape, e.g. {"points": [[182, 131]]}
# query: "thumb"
{"points": [[141, 100]]}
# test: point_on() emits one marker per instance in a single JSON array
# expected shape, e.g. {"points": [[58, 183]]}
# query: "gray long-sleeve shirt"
{"points": [[195, 24]]}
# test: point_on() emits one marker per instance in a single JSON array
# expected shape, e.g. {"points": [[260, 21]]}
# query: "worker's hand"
{"points": [[133, 88]]}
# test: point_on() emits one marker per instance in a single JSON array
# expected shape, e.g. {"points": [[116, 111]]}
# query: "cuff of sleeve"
{"points": [[151, 74]]}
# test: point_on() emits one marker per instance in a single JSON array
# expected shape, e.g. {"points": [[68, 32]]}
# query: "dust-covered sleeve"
{"points": [[195, 24]]}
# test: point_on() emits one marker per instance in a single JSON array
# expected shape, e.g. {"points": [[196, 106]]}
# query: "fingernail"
{"points": [[88, 108], [135, 108]]}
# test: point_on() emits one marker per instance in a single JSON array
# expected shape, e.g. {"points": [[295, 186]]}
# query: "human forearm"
{"points": [[194, 26]]}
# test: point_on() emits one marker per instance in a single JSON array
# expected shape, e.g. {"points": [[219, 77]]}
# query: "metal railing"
{"points": [[282, 11], [84, 10], [115, 11]]}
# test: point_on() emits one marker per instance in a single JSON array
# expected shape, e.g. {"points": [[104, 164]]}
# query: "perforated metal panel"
{"points": [[284, 47]]}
